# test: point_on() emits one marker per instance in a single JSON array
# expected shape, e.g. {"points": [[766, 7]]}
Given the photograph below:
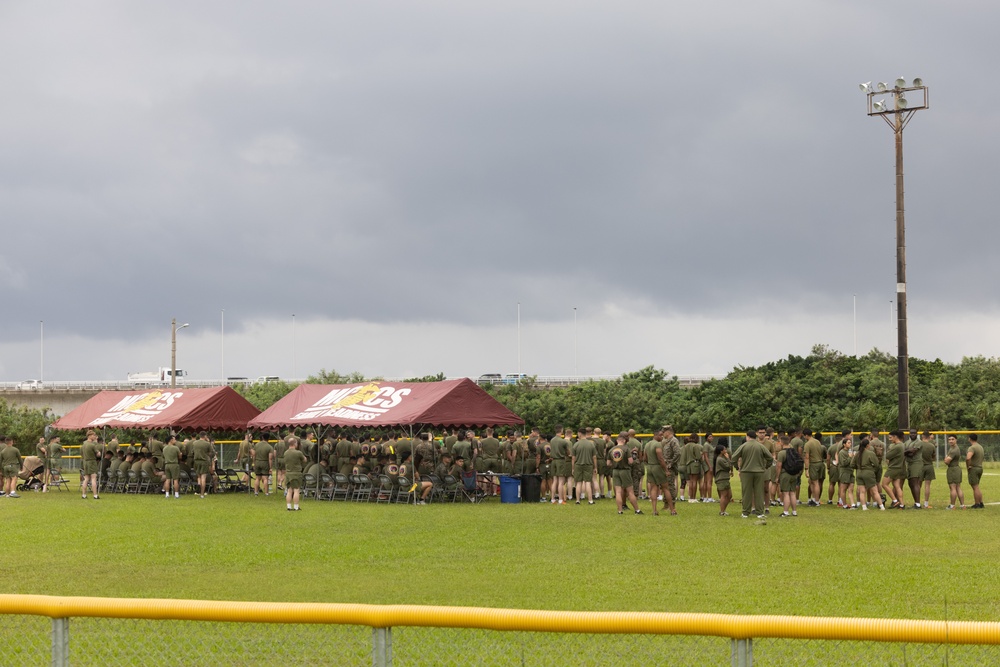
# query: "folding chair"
{"points": [[362, 488], [132, 482], [57, 480], [385, 489], [437, 488], [325, 487], [405, 493], [341, 487], [144, 482], [449, 489], [308, 485], [470, 487]]}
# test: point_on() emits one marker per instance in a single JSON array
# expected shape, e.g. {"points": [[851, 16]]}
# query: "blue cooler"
{"points": [[510, 489]]}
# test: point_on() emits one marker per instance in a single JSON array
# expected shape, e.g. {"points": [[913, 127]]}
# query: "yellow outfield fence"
{"points": [[109, 631]]}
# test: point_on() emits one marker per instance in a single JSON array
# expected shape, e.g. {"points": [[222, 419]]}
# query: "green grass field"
{"points": [[931, 564]]}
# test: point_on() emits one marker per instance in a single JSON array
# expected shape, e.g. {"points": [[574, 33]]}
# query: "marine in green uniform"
{"points": [[584, 463], [10, 466], [672, 457], [295, 463], [201, 454], [619, 459], [707, 460], [89, 458], [928, 452], [914, 470], [866, 463], [490, 453], [557, 453], [263, 457], [752, 460], [974, 464], [954, 472], [843, 460], [895, 472], [814, 463], [171, 467], [723, 466], [787, 482], [637, 464]]}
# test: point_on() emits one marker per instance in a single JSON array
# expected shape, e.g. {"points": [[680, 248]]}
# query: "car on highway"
{"points": [[490, 378], [29, 384], [514, 378]]}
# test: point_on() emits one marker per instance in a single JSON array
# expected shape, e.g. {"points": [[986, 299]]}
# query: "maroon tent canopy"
{"points": [[218, 408], [380, 403]]}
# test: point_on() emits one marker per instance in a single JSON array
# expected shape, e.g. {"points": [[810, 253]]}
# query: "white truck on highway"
{"points": [[156, 378]]}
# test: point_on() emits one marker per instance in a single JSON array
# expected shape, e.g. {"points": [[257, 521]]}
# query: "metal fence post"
{"points": [[381, 647], [741, 652], [60, 642]]}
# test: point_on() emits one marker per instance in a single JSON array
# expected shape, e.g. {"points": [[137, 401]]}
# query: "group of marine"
{"points": [[572, 465]]}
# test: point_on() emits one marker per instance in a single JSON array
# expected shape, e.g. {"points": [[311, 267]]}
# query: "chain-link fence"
{"points": [[107, 633]]}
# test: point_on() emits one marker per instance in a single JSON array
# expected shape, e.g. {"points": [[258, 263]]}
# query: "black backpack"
{"points": [[793, 462]]}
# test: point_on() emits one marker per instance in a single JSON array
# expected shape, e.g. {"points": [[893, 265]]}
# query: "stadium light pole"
{"points": [[41, 351], [576, 348], [890, 103], [173, 350]]}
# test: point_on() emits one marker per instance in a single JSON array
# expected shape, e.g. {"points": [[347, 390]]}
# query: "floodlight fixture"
{"points": [[918, 82], [882, 86], [865, 87], [901, 102], [879, 106], [901, 82]]}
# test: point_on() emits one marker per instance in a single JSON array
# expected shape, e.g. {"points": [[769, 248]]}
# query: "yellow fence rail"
{"points": [[740, 630]]}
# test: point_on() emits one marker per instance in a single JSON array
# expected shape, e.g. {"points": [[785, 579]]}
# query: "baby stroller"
{"points": [[32, 472]]}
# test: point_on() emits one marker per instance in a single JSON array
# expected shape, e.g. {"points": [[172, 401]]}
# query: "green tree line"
{"points": [[825, 390]]}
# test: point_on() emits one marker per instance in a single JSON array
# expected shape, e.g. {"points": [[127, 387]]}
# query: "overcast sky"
{"points": [[376, 186]]}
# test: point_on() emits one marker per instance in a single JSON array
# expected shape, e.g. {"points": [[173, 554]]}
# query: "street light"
{"points": [[173, 351], [891, 104]]}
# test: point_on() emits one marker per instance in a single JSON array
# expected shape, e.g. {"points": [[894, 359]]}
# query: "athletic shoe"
{"points": [[289, 509], [829, 502], [950, 507], [784, 514], [578, 502], [692, 501], [963, 506], [765, 512], [882, 507], [795, 513], [659, 497], [620, 512], [14, 494], [97, 497], [638, 511], [177, 495], [744, 516], [723, 514], [590, 502], [916, 506], [864, 508], [928, 506], [2, 494], [84, 497]]}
